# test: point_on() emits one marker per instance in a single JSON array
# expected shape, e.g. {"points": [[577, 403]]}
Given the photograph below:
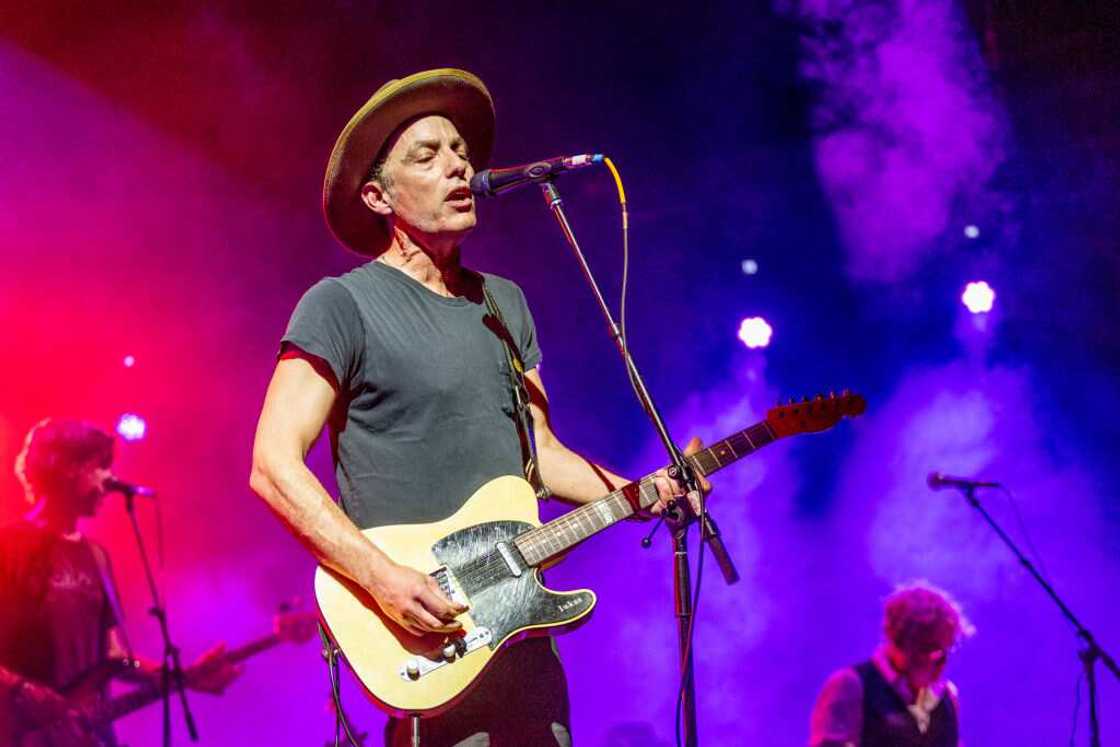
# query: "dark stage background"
{"points": [[160, 191]]}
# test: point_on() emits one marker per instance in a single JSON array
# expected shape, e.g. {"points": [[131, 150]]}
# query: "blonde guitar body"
{"points": [[475, 559]]}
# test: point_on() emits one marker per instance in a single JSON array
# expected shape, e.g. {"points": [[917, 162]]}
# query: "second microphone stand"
{"points": [[1091, 652], [681, 515], [171, 673]]}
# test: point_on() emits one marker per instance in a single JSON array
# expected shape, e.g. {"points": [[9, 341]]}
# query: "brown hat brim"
{"points": [[455, 94]]}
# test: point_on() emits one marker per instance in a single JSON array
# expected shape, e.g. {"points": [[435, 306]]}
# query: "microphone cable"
{"points": [[625, 290], [686, 658], [625, 254]]}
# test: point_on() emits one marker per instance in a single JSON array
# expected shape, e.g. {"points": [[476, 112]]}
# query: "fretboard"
{"points": [[122, 705], [540, 544]]}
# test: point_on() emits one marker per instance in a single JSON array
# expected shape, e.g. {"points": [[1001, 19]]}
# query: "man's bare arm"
{"points": [[575, 478], [568, 475], [296, 406]]}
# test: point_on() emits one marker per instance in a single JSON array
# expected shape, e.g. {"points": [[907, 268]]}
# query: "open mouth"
{"points": [[462, 194]]}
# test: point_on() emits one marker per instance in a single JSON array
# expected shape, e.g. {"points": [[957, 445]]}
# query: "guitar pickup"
{"points": [[418, 666], [512, 562]]}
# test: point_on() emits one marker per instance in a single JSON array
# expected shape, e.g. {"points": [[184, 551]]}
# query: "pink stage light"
{"points": [[131, 427], [754, 332], [979, 297], [129, 361]]}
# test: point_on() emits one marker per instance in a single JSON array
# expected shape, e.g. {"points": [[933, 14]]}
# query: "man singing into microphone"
{"points": [[404, 361], [59, 609]]}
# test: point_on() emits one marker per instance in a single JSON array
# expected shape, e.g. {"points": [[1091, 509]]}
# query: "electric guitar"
{"points": [[488, 555], [92, 714]]}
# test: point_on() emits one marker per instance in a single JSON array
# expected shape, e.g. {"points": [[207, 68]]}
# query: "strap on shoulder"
{"points": [[522, 414], [108, 582]]}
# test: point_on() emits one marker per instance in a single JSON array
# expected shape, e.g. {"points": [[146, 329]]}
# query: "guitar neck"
{"points": [[122, 705], [557, 536]]}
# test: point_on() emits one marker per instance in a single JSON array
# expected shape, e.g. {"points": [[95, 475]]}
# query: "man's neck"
{"points": [[57, 520], [886, 657], [434, 263]]}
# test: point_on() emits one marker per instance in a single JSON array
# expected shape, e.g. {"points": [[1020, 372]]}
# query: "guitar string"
{"points": [[571, 523], [482, 569], [492, 567]]}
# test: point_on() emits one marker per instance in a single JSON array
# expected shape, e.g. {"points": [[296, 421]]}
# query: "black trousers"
{"points": [[522, 700]]}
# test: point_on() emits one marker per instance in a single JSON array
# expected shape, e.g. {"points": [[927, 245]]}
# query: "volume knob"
{"points": [[449, 651], [412, 669]]}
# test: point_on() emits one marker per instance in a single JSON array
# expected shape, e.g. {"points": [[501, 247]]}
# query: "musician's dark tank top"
{"points": [[425, 411], [887, 722]]}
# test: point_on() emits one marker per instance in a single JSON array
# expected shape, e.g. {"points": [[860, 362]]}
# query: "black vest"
{"points": [[887, 722]]}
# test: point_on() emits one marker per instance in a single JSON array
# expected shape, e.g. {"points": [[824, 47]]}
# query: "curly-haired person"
{"points": [[899, 697]]}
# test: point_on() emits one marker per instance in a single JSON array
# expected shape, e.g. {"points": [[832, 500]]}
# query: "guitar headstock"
{"points": [[294, 627], [813, 415]]}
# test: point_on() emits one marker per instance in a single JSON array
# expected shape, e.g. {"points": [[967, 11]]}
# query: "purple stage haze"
{"points": [[909, 130], [160, 200]]}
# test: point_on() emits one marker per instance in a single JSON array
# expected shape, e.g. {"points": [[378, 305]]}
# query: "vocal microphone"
{"points": [[127, 489], [492, 182], [937, 481]]}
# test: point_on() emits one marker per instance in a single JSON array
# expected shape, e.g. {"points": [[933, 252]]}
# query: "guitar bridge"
{"points": [[416, 667], [449, 585]]}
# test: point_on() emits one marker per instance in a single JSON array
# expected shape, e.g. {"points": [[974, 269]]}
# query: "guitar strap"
{"points": [[522, 414], [108, 582]]}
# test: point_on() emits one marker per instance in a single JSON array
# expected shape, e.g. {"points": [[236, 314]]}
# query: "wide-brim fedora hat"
{"points": [[455, 94]]}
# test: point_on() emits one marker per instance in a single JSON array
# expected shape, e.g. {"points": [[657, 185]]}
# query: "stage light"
{"points": [[750, 267], [972, 231], [131, 427], [755, 332], [129, 361], [979, 297]]}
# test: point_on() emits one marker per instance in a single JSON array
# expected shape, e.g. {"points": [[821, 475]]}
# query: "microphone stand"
{"points": [[1091, 652], [172, 668], [679, 515]]}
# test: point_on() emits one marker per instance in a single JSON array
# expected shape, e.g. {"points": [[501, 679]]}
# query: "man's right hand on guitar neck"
{"points": [[414, 600]]}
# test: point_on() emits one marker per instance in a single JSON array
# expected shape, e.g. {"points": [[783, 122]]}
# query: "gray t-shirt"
{"points": [[425, 409]]}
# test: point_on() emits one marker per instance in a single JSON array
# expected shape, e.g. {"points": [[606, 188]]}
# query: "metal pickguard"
{"points": [[501, 601]]}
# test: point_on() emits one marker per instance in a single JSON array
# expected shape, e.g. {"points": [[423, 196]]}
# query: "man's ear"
{"points": [[374, 197]]}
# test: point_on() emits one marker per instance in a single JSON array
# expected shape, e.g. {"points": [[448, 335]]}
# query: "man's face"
{"points": [[428, 174], [921, 666], [89, 486]]}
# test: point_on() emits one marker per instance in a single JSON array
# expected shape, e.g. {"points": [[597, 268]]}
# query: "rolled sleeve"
{"points": [[326, 324], [529, 347]]}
